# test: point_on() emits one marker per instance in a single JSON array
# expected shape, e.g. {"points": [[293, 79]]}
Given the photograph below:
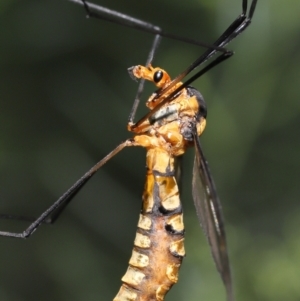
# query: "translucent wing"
{"points": [[209, 212]]}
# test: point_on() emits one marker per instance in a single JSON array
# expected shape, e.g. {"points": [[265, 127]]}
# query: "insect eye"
{"points": [[158, 75]]}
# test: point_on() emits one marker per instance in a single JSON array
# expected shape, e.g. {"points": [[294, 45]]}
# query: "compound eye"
{"points": [[158, 75]]}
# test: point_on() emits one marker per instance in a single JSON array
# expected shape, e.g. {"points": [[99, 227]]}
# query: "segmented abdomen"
{"points": [[158, 246]]}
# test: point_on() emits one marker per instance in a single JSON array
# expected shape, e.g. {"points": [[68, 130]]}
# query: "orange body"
{"points": [[158, 247]]}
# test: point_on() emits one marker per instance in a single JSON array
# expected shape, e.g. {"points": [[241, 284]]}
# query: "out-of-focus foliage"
{"points": [[64, 100]]}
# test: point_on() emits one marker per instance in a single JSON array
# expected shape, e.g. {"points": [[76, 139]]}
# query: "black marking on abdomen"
{"points": [[172, 231], [166, 212]]}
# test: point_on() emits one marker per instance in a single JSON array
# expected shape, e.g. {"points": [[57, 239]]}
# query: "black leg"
{"points": [[53, 212], [103, 13], [140, 89]]}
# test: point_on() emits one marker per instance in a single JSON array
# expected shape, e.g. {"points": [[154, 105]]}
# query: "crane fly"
{"points": [[176, 119]]}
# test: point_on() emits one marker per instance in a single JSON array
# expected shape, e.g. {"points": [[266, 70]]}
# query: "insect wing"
{"points": [[209, 211]]}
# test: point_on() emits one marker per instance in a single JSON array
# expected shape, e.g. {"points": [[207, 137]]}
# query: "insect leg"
{"points": [[103, 13], [233, 30], [54, 211], [140, 89]]}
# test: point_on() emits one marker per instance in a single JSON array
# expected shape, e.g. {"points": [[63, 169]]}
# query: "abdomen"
{"points": [[158, 247]]}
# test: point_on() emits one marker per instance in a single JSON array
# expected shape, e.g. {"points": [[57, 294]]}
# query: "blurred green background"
{"points": [[65, 98]]}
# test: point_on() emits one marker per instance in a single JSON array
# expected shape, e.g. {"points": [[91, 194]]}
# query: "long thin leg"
{"points": [[103, 13], [234, 29], [140, 89], [54, 211]]}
